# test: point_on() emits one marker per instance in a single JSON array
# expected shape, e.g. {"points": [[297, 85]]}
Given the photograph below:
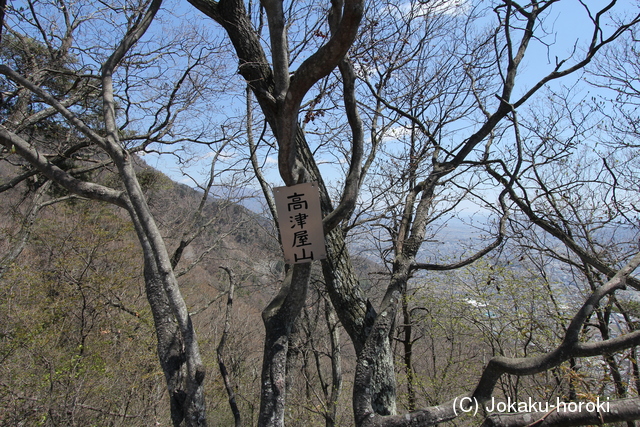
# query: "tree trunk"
{"points": [[186, 393], [407, 344], [354, 310], [279, 317], [336, 366], [221, 350]]}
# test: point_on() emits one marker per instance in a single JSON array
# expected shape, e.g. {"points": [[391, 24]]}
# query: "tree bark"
{"points": [[170, 344], [279, 96], [407, 355], [279, 317], [193, 410], [220, 351], [177, 346], [336, 366]]}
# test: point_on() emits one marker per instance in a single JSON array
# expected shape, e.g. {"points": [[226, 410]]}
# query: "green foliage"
{"points": [[30, 58], [77, 343], [153, 180], [460, 321]]}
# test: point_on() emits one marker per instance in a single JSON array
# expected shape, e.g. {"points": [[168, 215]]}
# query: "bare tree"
{"points": [[483, 71], [280, 95], [442, 93], [91, 93]]}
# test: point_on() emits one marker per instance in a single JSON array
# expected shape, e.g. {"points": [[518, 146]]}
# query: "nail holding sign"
{"points": [[300, 222]]}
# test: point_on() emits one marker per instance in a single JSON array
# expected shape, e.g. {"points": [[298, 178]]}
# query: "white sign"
{"points": [[300, 222]]}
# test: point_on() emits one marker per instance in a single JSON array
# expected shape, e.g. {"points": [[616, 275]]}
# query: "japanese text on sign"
{"points": [[300, 222]]}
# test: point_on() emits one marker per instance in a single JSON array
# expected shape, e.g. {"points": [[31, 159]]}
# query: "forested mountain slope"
{"points": [[77, 342]]}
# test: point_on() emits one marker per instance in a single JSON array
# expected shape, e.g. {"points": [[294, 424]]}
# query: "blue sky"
{"points": [[566, 31]]}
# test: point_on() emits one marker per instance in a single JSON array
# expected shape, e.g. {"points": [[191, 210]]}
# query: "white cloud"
{"points": [[453, 7], [396, 133], [445, 7]]}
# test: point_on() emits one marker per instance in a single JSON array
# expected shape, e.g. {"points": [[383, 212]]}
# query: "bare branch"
{"points": [[89, 190], [220, 350], [570, 346]]}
